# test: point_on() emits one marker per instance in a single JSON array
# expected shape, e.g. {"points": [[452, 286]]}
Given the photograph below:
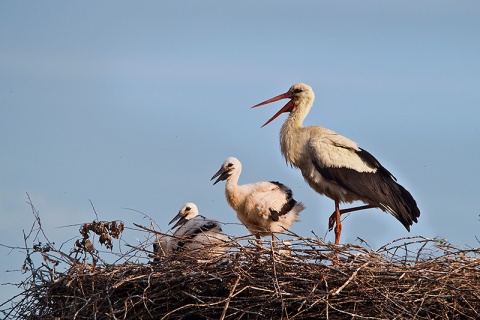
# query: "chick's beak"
{"points": [[181, 220], [222, 174]]}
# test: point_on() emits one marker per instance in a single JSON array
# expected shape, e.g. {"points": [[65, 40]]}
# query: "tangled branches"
{"points": [[414, 278], [410, 278]]}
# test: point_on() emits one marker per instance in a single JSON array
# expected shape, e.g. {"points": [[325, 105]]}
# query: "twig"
{"points": [[354, 274], [230, 295]]}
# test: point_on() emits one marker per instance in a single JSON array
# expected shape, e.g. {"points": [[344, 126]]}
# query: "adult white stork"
{"points": [[335, 166], [264, 208], [194, 232]]}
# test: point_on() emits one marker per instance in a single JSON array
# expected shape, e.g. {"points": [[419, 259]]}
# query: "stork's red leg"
{"points": [[333, 218], [338, 227]]}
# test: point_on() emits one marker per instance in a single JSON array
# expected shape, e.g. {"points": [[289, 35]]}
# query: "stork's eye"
{"points": [[230, 165], [187, 209], [297, 90]]}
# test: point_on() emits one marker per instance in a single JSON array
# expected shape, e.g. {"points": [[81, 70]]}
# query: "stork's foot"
{"points": [[333, 218], [331, 221]]}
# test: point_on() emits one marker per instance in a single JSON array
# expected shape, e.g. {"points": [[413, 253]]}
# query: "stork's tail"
{"points": [[403, 207]]}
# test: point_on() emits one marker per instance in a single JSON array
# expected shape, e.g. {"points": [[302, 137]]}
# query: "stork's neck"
{"points": [[233, 192], [291, 137]]}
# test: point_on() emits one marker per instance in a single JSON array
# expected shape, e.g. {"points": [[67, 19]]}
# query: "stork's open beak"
{"points": [[181, 220], [222, 174], [287, 108]]}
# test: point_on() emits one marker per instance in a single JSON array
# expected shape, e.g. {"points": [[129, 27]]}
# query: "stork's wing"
{"points": [[287, 205], [332, 150], [197, 225], [271, 199], [339, 160]]}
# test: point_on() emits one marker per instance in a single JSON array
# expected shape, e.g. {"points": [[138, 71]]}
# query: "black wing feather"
{"points": [[287, 206], [209, 225], [192, 233]]}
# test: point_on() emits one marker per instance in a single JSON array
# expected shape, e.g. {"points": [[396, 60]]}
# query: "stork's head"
{"points": [[300, 94], [228, 167], [188, 211]]}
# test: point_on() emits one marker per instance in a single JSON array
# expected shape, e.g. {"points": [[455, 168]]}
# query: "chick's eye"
{"points": [[230, 165], [187, 209]]}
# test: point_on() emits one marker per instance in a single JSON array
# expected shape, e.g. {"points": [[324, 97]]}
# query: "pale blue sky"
{"points": [[136, 105]]}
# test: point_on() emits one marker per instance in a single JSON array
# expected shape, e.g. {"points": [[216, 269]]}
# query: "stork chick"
{"points": [[264, 208], [194, 231]]}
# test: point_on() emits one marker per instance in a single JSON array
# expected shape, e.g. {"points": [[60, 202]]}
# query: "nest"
{"points": [[410, 278]]}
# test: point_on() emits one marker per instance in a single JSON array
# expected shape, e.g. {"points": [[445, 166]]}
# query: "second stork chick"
{"points": [[264, 207], [195, 231]]}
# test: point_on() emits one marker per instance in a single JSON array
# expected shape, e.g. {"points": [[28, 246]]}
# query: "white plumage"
{"points": [[194, 232], [335, 166], [263, 207]]}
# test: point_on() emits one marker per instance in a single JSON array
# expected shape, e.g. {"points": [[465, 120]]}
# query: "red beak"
{"points": [[288, 107]]}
